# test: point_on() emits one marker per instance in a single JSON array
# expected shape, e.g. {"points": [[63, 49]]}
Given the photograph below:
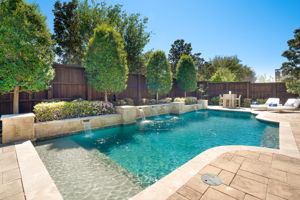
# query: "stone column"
{"points": [[128, 114], [203, 104], [177, 107], [17, 127]]}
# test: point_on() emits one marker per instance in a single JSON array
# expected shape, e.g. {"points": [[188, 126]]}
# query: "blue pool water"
{"points": [[149, 150], [153, 150]]}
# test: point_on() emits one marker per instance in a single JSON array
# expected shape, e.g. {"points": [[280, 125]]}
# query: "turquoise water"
{"points": [[147, 151], [153, 150]]}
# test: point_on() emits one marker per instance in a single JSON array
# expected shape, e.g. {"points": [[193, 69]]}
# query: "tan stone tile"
{"points": [[263, 169], [1, 178], [9, 163], [250, 197], [19, 196], [238, 159], [210, 169], [265, 158], [189, 193], [11, 188], [249, 186], [226, 177], [176, 196], [252, 176], [225, 164], [6, 155], [293, 179], [227, 156], [248, 154], [286, 163], [237, 194], [212, 194], [11, 175], [283, 190], [10, 148], [196, 184], [273, 197]]}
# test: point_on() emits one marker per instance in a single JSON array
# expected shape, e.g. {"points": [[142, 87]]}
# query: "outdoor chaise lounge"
{"points": [[290, 105], [265, 106]]}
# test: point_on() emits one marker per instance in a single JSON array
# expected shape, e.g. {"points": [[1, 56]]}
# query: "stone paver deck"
{"points": [[246, 175], [11, 187]]}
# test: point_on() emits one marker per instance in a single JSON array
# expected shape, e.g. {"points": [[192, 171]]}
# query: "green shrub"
{"points": [[122, 102], [63, 110], [179, 99], [146, 101], [246, 102], [215, 101], [186, 100], [261, 101], [165, 100], [190, 100]]}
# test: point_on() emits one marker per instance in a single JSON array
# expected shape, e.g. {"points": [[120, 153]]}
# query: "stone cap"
{"points": [[4, 117]]}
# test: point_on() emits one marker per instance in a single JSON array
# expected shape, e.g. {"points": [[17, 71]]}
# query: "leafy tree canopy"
{"points": [[291, 68], [88, 15], [105, 61], [26, 48], [69, 46], [179, 48], [242, 72], [186, 74], [159, 75], [223, 75]]}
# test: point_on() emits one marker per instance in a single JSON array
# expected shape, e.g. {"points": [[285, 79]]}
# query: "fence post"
{"points": [[50, 92], [248, 89], [89, 93]]}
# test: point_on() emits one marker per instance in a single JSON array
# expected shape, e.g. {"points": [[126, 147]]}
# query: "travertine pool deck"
{"points": [[23, 174], [246, 175], [11, 187]]}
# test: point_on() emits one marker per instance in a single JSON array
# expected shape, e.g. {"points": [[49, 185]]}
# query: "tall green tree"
{"points": [[179, 48], [69, 46], [88, 15], [223, 75], [186, 74], [291, 68], [232, 63], [159, 75], [26, 49], [105, 61]]}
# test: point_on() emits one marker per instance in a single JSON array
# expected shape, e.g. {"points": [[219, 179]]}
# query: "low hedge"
{"points": [[186, 100], [123, 102], [49, 111], [214, 100]]}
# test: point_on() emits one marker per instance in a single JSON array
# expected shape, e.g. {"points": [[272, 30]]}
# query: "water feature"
{"points": [[87, 128], [142, 113]]}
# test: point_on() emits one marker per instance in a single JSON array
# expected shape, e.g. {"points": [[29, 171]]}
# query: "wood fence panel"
{"points": [[70, 83]]}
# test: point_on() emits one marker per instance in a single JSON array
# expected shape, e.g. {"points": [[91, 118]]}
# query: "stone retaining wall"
{"points": [[22, 127]]}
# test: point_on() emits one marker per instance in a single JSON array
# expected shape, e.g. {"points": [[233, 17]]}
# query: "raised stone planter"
{"points": [[128, 114], [69, 126], [17, 127]]}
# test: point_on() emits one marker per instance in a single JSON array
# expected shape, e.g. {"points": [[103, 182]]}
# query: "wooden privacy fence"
{"points": [[70, 83]]}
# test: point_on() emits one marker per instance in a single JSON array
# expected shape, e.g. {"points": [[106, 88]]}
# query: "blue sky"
{"points": [[254, 30]]}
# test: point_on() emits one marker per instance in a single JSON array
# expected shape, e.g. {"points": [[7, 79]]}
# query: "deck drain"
{"points": [[211, 179]]}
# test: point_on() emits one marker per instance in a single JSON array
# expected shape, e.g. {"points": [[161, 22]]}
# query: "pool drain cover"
{"points": [[211, 179]]}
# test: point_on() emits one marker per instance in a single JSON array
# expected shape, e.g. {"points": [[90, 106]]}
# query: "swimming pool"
{"points": [[117, 162]]}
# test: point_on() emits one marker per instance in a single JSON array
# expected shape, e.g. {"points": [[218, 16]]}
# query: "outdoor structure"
{"points": [[70, 83]]}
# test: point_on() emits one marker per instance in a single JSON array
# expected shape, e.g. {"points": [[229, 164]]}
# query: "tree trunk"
{"points": [[156, 97], [105, 97], [16, 100], [184, 94]]}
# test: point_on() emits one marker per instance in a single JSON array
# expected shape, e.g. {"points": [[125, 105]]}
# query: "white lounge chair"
{"points": [[290, 105], [265, 106]]}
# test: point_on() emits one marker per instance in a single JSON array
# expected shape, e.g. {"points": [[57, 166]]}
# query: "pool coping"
{"points": [[37, 182], [169, 184]]}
